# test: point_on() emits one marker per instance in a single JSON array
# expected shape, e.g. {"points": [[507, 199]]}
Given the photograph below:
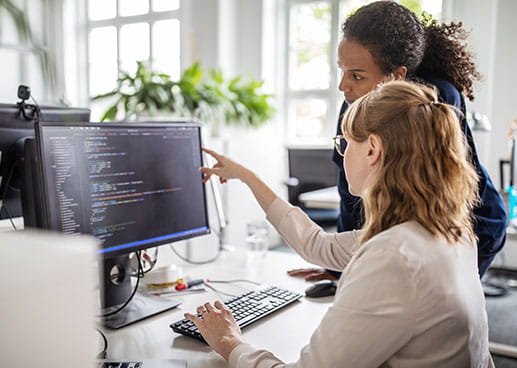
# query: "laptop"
{"points": [[47, 318]]}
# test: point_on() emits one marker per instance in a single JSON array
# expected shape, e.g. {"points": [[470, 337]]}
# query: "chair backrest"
{"points": [[311, 169]]}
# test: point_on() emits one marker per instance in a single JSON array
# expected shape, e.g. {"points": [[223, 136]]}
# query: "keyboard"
{"points": [[145, 363], [120, 365], [246, 308]]}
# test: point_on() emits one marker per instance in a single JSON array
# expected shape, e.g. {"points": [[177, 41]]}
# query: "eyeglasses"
{"points": [[339, 144]]}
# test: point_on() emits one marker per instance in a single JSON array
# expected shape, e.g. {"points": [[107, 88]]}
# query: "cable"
{"points": [[39, 114], [227, 282], [10, 219], [151, 261], [232, 281], [104, 352], [4, 193], [218, 291], [140, 274], [195, 262]]}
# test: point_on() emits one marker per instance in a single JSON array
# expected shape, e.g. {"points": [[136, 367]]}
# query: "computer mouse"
{"points": [[321, 288]]}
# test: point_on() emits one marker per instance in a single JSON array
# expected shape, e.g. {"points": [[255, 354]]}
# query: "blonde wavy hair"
{"points": [[425, 173]]}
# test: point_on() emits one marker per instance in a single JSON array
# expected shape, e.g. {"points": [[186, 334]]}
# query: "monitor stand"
{"points": [[116, 290]]}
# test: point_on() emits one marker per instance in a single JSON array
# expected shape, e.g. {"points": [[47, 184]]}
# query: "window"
{"points": [[311, 74], [26, 61], [122, 32]]}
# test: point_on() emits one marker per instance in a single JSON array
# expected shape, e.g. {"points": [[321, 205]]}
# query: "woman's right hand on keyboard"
{"points": [[218, 327]]}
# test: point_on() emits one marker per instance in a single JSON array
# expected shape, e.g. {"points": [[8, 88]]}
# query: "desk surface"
{"points": [[284, 332]]}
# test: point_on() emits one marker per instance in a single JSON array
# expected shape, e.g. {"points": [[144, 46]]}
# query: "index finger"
{"points": [[211, 153], [195, 319], [220, 305]]}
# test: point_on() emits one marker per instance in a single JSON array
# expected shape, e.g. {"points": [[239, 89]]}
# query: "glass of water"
{"points": [[256, 239]]}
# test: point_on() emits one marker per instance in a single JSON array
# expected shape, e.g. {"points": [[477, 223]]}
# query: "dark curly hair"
{"points": [[396, 37]]}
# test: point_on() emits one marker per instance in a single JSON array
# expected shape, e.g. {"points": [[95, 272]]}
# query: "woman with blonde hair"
{"points": [[410, 295]]}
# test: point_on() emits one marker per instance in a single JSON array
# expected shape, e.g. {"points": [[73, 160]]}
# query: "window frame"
{"points": [[45, 48], [331, 95], [150, 18]]}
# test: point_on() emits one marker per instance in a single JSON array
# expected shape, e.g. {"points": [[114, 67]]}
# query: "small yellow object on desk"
{"points": [[165, 284]]}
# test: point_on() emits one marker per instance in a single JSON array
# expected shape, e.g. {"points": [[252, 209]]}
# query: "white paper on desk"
{"points": [[171, 291]]}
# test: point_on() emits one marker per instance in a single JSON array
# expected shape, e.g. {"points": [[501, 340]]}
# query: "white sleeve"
{"points": [[372, 318], [332, 251]]}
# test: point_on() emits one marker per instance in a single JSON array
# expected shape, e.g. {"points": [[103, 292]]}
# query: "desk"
{"points": [[327, 198], [284, 332]]}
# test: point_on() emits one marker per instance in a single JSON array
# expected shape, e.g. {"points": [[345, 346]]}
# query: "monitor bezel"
{"points": [[105, 252]]}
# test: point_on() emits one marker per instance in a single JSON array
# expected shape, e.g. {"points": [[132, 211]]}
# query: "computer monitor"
{"points": [[131, 185], [16, 126]]}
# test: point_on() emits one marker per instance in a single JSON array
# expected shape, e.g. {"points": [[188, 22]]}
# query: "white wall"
{"points": [[202, 33], [229, 36]]}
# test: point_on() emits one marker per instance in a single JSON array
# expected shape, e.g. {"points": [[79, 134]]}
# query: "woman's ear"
{"points": [[400, 73], [374, 150]]}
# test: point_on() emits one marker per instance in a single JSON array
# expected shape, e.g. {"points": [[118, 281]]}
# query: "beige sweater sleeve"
{"points": [[332, 251]]}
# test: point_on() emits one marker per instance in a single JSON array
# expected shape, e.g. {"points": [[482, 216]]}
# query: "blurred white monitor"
{"points": [[47, 300]]}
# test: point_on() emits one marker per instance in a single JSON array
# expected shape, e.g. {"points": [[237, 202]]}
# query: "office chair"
{"points": [[311, 169]]}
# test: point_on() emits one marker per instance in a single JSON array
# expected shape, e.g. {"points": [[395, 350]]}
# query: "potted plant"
{"points": [[209, 97]]}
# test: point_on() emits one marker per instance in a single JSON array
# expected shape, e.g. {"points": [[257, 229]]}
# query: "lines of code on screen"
{"points": [[124, 186]]}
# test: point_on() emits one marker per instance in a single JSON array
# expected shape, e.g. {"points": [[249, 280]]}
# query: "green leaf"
{"points": [[210, 98], [110, 114], [105, 95]]}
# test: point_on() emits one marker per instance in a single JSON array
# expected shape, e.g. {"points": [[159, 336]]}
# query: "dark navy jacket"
{"points": [[490, 215]]}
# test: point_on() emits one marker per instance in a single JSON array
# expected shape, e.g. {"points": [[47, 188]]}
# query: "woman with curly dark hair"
{"points": [[383, 41]]}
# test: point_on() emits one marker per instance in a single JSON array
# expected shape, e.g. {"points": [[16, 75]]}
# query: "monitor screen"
{"points": [[16, 127], [131, 185]]}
